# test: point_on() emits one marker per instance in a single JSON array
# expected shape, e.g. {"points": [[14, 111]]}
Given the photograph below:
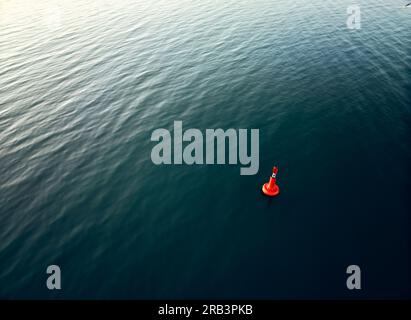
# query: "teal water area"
{"points": [[84, 83]]}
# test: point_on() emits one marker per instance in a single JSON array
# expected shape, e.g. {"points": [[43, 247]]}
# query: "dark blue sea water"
{"points": [[84, 83]]}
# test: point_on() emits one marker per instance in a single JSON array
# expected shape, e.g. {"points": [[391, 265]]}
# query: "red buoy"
{"points": [[270, 188]]}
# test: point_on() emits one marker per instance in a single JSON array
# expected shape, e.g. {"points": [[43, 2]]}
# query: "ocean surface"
{"points": [[83, 84]]}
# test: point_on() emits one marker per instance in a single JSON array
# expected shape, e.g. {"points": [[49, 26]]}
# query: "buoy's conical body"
{"points": [[271, 188]]}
